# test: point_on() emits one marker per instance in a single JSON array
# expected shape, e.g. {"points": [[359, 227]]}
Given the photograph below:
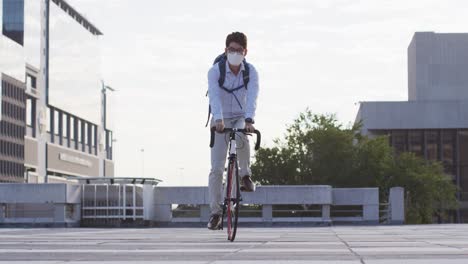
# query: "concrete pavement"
{"points": [[422, 244]]}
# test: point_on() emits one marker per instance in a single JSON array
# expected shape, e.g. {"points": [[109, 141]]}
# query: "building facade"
{"points": [[433, 123], [53, 101]]}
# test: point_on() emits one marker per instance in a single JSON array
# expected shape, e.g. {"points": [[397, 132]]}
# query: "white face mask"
{"points": [[235, 58]]}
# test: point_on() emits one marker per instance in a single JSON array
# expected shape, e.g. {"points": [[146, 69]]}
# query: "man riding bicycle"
{"points": [[232, 90]]}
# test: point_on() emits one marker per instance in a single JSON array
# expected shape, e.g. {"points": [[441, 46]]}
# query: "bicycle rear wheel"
{"points": [[233, 200]]}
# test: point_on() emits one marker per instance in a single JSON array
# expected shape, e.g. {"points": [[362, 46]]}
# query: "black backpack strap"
{"points": [[246, 74], [232, 90], [209, 113], [222, 72]]}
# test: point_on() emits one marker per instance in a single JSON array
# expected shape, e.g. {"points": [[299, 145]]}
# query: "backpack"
{"points": [[221, 61]]}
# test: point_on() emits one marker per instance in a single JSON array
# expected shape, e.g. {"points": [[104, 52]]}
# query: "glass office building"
{"points": [[78, 144], [433, 123], [13, 20]]}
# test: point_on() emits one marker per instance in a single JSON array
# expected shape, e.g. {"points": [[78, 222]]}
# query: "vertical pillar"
{"points": [[124, 199], [267, 213], [397, 205], [60, 127], [204, 212], [41, 102], [370, 205], [75, 132], [148, 202], [83, 135], [76, 212], [101, 134], [2, 213], [68, 131], [163, 212], [59, 213], [134, 201], [52, 124], [371, 213], [326, 212]]}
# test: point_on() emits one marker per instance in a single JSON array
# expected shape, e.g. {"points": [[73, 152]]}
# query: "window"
{"points": [[91, 135], [48, 119], [72, 128], [56, 123], [416, 142], [399, 138], [448, 151], [78, 137], [31, 81], [463, 148], [64, 126], [432, 145], [13, 20], [29, 112]]}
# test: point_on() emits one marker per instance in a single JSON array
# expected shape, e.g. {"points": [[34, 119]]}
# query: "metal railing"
{"points": [[384, 213], [116, 201]]}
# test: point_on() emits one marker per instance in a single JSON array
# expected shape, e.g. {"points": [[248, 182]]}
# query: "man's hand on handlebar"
{"points": [[225, 130], [249, 128], [219, 125]]}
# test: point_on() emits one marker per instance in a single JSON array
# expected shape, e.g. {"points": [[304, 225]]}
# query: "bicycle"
{"points": [[233, 197]]}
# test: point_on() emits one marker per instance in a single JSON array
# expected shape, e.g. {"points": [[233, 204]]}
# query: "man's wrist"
{"points": [[249, 120]]}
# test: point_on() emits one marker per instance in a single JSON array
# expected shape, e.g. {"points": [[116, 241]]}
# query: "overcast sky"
{"points": [[325, 55]]}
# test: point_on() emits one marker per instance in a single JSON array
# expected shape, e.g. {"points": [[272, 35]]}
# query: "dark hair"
{"points": [[237, 37]]}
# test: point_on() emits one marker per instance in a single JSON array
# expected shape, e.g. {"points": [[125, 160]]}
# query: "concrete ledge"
{"points": [[40, 205], [181, 195], [355, 196], [314, 194], [33, 193]]}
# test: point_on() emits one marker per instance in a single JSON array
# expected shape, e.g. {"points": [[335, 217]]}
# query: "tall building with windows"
{"points": [[52, 119], [433, 123]]}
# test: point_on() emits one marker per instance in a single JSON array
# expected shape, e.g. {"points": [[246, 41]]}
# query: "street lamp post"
{"points": [[142, 162], [102, 129]]}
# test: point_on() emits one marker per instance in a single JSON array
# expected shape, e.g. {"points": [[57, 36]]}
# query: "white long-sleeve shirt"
{"points": [[224, 104]]}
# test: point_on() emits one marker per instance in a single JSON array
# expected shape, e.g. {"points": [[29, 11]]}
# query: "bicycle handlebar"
{"points": [[213, 130]]}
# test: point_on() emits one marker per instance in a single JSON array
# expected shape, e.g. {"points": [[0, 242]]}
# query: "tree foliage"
{"points": [[316, 149]]}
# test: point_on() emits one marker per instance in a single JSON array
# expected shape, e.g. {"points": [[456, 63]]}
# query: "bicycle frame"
{"points": [[231, 205]]}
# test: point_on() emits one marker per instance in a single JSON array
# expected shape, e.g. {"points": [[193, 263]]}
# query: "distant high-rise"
{"points": [[438, 66]]}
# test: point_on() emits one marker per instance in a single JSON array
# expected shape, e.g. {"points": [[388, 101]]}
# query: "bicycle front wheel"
{"points": [[233, 200]]}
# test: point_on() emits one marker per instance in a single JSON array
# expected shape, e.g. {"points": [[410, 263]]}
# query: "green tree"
{"points": [[429, 191], [316, 149]]}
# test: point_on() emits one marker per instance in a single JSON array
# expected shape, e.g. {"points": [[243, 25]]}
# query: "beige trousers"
{"points": [[218, 161]]}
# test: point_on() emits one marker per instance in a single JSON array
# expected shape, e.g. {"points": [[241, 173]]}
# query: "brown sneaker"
{"points": [[246, 184], [215, 222]]}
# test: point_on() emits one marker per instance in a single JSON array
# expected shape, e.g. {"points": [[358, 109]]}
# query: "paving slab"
{"points": [[412, 244]]}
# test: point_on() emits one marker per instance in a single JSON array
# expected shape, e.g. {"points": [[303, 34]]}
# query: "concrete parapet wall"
{"points": [[57, 204], [267, 196], [320, 194], [368, 198], [355, 196], [61, 203]]}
